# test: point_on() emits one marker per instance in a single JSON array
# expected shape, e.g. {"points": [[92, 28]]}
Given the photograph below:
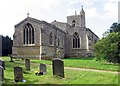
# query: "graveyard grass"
{"points": [[71, 76], [90, 63]]}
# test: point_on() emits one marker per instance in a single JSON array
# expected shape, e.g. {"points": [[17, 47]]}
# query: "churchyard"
{"points": [[59, 73]]}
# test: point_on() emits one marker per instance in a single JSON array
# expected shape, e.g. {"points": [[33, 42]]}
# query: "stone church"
{"points": [[38, 39]]}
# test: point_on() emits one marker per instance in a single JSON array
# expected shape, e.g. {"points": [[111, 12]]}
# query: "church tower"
{"points": [[82, 15], [77, 20]]}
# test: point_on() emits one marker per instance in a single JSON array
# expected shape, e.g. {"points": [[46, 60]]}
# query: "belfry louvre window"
{"points": [[28, 34], [76, 40], [73, 23]]}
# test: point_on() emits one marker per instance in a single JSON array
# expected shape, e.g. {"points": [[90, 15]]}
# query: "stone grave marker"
{"points": [[43, 68], [58, 67], [2, 63], [18, 74], [1, 73], [27, 64]]}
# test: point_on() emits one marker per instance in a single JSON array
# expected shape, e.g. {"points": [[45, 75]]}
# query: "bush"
{"points": [[108, 48]]}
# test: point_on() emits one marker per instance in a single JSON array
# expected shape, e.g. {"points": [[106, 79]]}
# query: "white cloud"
{"points": [[44, 4], [111, 9], [91, 12], [100, 21], [81, 2]]}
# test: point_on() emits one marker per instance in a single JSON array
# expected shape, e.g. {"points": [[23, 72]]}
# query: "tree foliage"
{"points": [[6, 45], [115, 27], [108, 48]]}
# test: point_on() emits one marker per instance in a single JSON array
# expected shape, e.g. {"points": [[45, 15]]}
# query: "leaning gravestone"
{"points": [[1, 73], [2, 63], [27, 64], [18, 74], [43, 68], [58, 67]]}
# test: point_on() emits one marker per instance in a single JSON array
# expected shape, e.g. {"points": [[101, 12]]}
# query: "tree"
{"points": [[6, 45], [115, 27], [108, 48]]}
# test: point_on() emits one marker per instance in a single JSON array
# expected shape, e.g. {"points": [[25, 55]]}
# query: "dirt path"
{"points": [[95, 70], [86, 69]]}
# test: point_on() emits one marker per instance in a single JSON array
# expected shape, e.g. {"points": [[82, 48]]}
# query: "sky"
{"points": [[100, 14]]}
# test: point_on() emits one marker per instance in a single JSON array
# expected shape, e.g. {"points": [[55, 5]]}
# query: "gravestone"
{"points": [[18, 74], [58, 67], [2, 63], [1, 73], [27, 64], [43, 68]]}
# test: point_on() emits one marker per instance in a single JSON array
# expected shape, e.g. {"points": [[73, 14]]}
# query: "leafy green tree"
{"points": [[108, 48]]}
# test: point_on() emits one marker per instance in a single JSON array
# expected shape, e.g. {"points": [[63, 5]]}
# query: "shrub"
{"points": [[108, 48]]}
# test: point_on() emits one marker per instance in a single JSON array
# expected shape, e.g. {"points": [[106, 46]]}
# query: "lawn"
{"points": [[71, 76], [85, 63]]}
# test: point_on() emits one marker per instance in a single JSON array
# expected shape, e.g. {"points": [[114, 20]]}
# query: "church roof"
{"points": [[60, 25], [40, 22], [92, 32], [28, 18]]}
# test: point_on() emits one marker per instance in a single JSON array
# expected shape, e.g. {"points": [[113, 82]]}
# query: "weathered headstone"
{"points": [[18, 74], [2, 63], [1, 73], [58, 67], [43, 68], [27, 64]]}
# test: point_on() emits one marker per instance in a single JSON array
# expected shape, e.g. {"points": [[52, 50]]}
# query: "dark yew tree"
{"points": [[115, 27], [6, 45]]}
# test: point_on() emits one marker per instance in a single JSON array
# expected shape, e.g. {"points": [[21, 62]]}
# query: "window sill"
{"points": [[51, 45], [29, 45], [76, 48]]}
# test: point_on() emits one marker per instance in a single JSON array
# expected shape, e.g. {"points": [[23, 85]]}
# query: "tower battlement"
{"points": [[77, 20]]}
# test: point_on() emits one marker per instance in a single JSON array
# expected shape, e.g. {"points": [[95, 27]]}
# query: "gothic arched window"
{"points": [[76, 40], [24, 37], [50, 38], [28, 34], [32, 39]]}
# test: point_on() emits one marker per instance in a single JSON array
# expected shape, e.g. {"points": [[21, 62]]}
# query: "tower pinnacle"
{"points": [[28, 14], [82, 6], [82, 11], [75, 12]]}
